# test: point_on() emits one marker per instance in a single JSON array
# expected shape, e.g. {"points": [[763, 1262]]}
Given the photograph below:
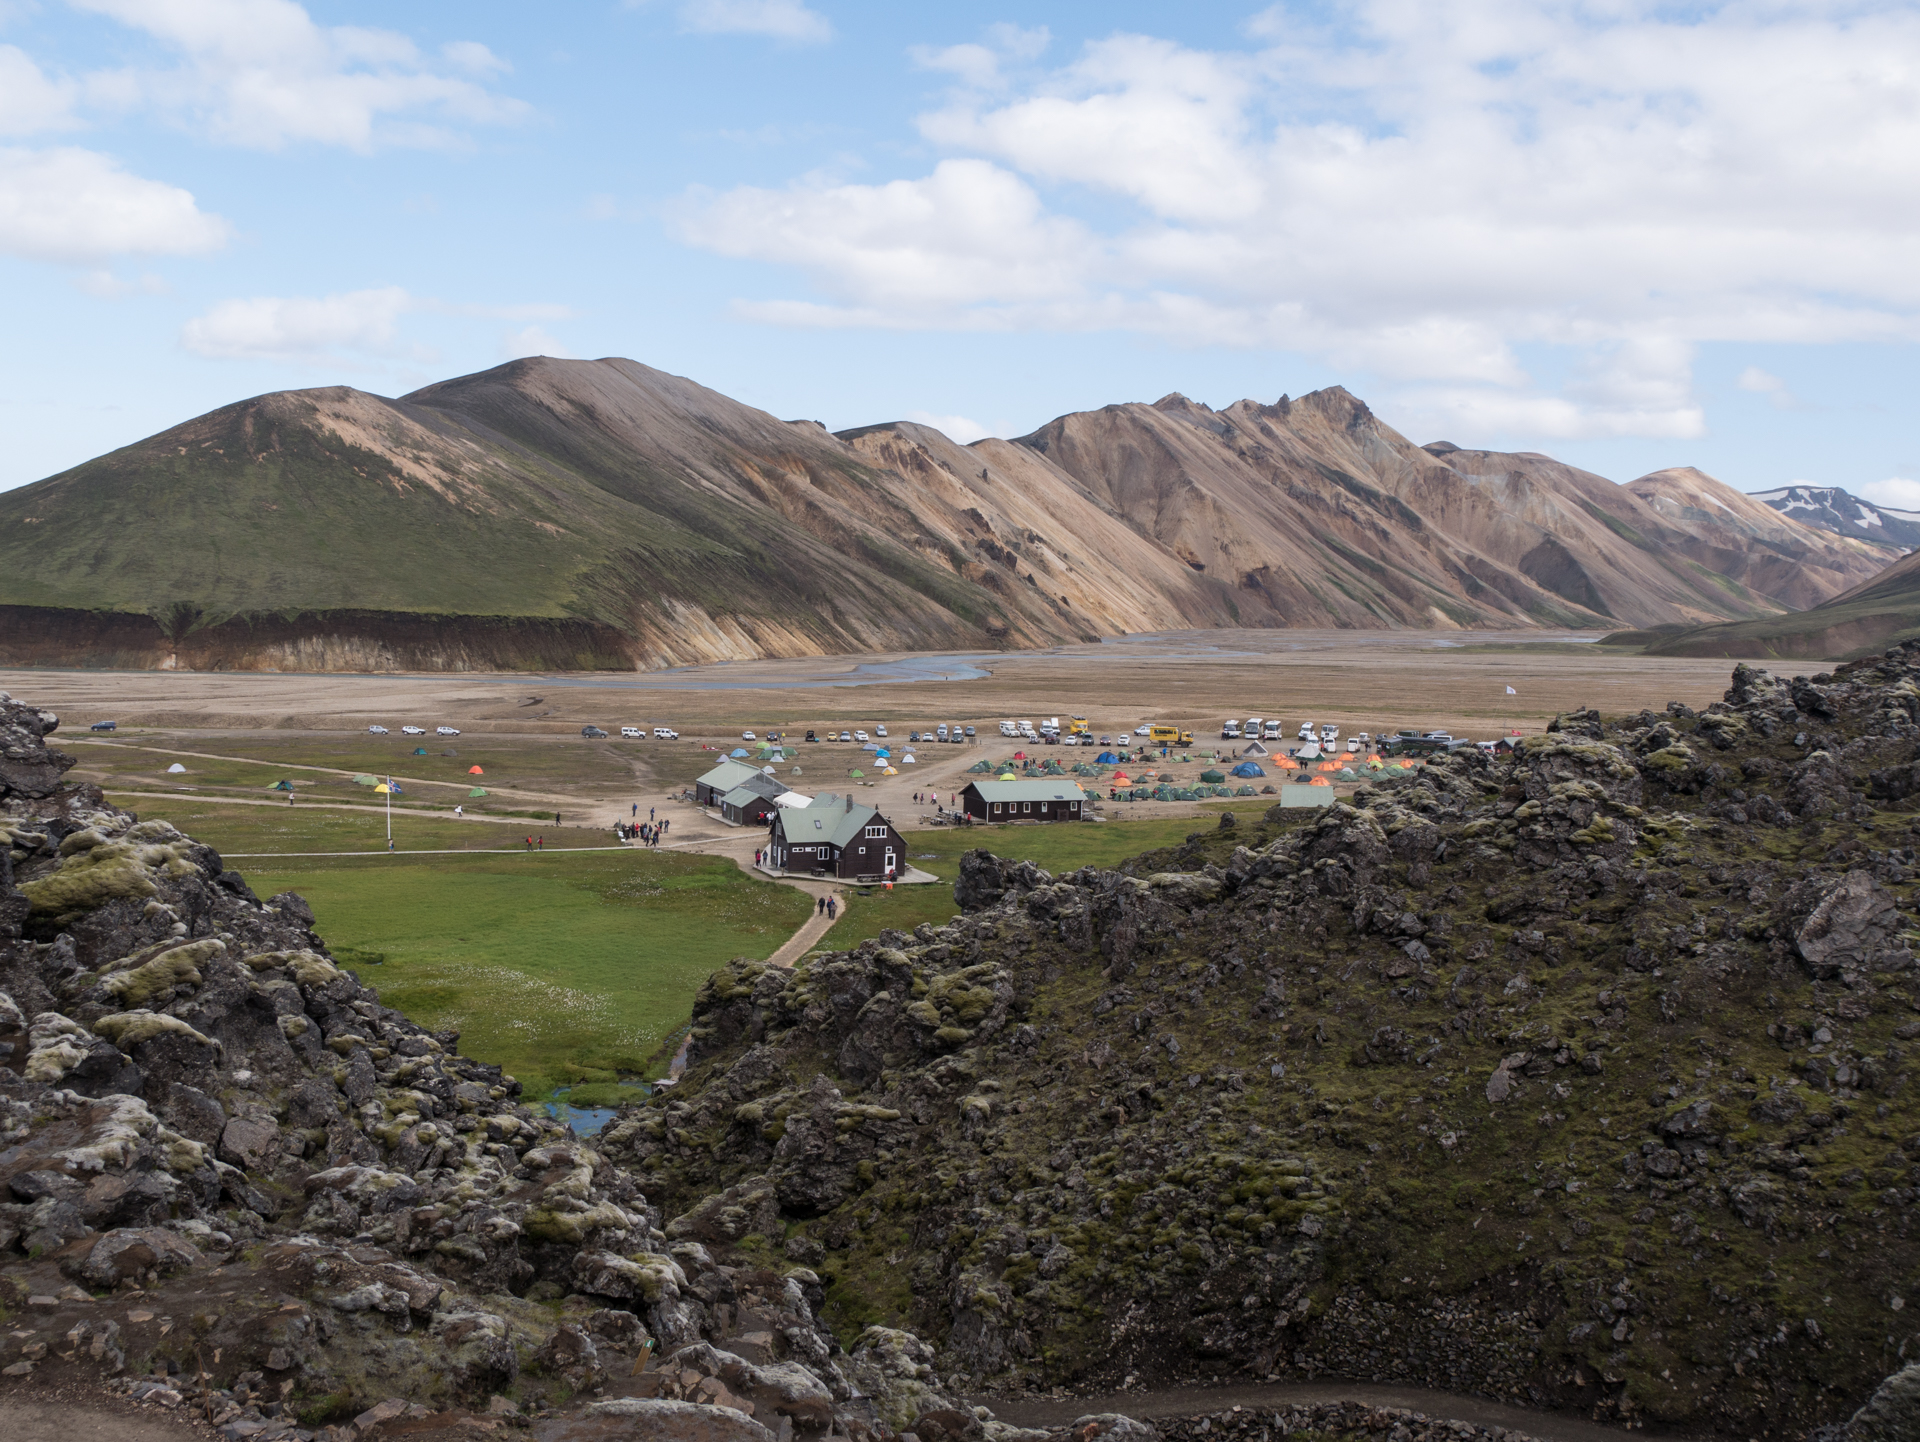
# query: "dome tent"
{"points": [[1212, 777], [1248, 768]]}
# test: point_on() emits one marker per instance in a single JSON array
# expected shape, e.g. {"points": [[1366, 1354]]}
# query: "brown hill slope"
{"points": [[557, 513], [1750, 542], [1332, 517]]}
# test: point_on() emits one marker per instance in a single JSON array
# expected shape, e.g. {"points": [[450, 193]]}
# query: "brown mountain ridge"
{"points": [[590, 514]]}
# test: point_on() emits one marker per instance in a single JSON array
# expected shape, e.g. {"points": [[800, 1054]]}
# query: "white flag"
{"points": [[1512, 692]]}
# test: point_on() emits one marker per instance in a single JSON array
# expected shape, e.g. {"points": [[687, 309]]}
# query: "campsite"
{"points": [[617, 937]]}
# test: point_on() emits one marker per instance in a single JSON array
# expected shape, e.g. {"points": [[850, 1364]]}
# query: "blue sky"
{"points": [[1630, 235]]}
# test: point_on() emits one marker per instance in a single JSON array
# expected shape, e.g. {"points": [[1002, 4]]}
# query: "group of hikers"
{"points": [[648, 832], [826, 906]]}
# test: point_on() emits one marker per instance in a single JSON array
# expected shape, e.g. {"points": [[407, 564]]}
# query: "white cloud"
{"points": [[261, 73], [353, 324], [914, 250], [532, 340], [79, 207], [1897, 493], [979, 65], [781, 19], [1770, 386], [1426, 192], [362, 322], [29, 101], [963, 429]]}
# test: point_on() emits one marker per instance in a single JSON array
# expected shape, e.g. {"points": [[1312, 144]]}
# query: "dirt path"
{"points": [[504, 790], [59, 1418], [1191, 1401]]}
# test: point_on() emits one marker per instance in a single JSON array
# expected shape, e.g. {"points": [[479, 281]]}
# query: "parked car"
{"points": [[1106, 741], [969, 731], [812, 737], [446, 730], [103, 726], [413, 730], [878, 729], [747, 736], [861, 737], [592, 733], [632, 733], [371, 730], [846, 736]]}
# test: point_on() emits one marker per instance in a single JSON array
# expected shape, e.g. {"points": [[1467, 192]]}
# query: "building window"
{"points": [[877, 831], [1026, 806]]}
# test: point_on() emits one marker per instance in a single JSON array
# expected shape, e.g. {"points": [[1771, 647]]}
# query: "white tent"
{"points": [[175, 769], [908, 760]]}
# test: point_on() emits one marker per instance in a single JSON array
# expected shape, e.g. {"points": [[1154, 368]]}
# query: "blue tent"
{"points": [[881, 752], [739, 751], [1247, 768], [1107, 758]]}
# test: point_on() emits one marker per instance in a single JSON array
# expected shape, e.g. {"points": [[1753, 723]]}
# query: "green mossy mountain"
{"points": [[1581, 1078], [1881, 612]]}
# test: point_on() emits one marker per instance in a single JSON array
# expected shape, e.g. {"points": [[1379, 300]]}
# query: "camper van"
{"points": [[1306, 732], [1329, 734], [1230, 730], [1009, 728]]}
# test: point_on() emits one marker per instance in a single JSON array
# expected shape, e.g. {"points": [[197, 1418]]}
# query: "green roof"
{"points": [[727, 775], [827, 820]]}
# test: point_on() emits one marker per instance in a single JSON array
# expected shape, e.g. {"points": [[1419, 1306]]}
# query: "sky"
{"points": [[1630, 235]]}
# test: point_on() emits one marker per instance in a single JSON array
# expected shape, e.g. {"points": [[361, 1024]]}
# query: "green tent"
{"points": [[1212, 777], [980, 768], [365, 780], [856, 772], [281, 786], [419, 751], [1245, 791], [478, 791]]}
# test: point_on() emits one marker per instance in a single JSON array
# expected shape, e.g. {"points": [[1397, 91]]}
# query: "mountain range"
{"points": [[603, 514], [1829, 508]]}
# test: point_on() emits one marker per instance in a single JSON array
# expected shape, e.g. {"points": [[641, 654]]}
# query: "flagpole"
{"points": [[389, 813]]}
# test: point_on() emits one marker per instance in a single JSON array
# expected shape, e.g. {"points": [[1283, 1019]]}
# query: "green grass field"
{"points": [[561, 968], [244, 830], [573, 968]]}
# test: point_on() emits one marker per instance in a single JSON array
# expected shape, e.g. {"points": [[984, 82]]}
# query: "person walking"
{"points": [[529, 843], [831, 908], [636, 807], [543, 841], [636, 810], [819, 906], [457, 811]]}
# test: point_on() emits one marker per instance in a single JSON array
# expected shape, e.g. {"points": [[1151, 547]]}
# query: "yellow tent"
{"points": [[890, 771]]}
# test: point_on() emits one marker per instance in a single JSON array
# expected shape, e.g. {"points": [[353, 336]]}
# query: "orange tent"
{"points": [[1285, 763], [1405, 763], [1319, 781], [475, 771], [1119, 778]]}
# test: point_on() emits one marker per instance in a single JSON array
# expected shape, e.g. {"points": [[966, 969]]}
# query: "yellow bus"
{"points": [[1077, 726], [1161, 735]]}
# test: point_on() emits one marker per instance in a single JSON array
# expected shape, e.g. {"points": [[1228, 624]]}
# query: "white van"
{"points": [[1230, 731], [632, 733], [665, 733]]}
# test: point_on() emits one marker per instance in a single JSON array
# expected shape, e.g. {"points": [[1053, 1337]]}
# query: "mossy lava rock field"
{"points": [[1580, 1078]]}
